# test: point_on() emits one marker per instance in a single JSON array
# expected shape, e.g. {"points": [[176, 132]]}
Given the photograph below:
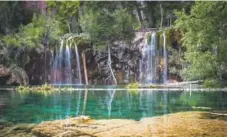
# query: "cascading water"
{"points": [[165, 77], [78, 65], [62, 64], [68, 69], [148, 66]]}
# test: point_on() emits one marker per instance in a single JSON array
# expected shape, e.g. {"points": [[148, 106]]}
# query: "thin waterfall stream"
{"points": [[78, 65], [62, 71]]}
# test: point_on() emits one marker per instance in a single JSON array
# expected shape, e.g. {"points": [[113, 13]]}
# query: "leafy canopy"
{"points": [[205, 34], [108, 22]]}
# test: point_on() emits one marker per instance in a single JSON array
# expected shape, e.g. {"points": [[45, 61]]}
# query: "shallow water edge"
{"points": [[176, 124]]}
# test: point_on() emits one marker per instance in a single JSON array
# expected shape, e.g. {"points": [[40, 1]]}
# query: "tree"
{"points": [[107, 23], [12, 15], [29, 37], [205, 40], [67, 13]]}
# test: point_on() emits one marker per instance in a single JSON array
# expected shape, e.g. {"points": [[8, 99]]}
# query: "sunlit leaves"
{"points": [[108, 25], [204, 39]]}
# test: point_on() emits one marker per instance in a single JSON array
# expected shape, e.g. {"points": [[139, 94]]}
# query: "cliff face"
{"points": [[125, 58]]}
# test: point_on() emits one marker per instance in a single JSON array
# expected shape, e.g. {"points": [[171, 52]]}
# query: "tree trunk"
{"points": [[109, 64], [161, 11], [140, 16]]}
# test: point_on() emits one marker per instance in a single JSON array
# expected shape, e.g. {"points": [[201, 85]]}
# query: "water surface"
{"points": [[34, 107]]}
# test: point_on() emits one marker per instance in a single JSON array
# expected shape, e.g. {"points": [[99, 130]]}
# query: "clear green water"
{"points": [[32, 107]]}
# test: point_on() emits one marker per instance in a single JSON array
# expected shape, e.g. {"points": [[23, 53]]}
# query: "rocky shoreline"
{"points": [[180, 124]]}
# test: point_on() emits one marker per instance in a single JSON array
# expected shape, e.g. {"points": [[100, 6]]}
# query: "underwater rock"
{"points": [[201, 108], [17, 130], [178, 125]]}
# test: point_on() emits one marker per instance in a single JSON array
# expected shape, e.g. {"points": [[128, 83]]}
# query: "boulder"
{"points": [[13, 75]]}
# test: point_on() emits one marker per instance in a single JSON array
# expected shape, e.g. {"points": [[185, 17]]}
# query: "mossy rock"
{"points": [[133, 86]]}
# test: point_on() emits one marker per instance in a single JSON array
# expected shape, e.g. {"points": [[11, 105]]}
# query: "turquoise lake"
{"points": [[34, 107]]}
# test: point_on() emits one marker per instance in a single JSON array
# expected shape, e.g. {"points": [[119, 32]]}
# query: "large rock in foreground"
{"points": [[185, 124]]}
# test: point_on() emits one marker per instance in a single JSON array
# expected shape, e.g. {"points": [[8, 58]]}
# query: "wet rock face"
{"points": [[4, 75], [4, 71], [39, 66], [125, 62]]}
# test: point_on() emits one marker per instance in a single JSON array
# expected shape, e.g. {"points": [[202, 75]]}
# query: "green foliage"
{"points": [[152, 12], [33, 34], [38, 89], [41, 31], [12, 15], [107, 25], [67, 13], [205, 40], [23, 88], [81, 39], [133, 86]]}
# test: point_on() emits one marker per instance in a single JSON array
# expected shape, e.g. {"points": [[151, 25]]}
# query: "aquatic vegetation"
{"points": [[133, 86], [12, 130], [42, 88], [201, 108], [23, 88]]}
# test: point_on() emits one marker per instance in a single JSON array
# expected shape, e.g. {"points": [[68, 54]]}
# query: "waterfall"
{"points": [[59, 63], [152, 60], [62, 63], [54, 68], [148, 65], [165, 57], [68, 68], [78, 65]]}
